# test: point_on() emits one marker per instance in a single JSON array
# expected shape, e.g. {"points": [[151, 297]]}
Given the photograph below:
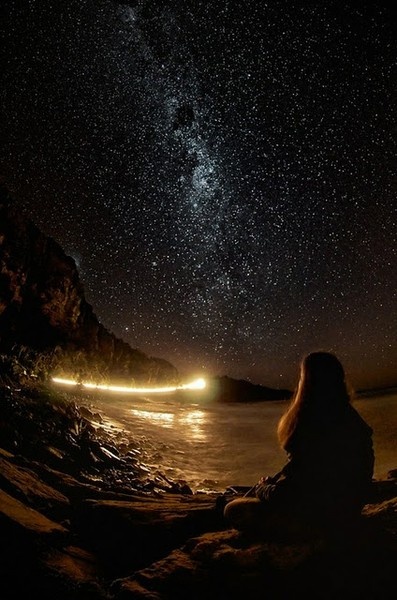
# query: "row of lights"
{"points": [[197, 384]]}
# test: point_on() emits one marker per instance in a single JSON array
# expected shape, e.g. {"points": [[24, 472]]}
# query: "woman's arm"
{"points": [[269, 488]]}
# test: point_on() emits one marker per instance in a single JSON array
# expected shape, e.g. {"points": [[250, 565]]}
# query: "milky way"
{"points": [[222, 173]]}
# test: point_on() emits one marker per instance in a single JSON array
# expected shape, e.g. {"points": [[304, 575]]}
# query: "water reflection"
{"points": [[195, 420], [192, 421], [166, 419]]}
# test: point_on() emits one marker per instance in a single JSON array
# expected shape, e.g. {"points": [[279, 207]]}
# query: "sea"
{"points": [[212, 446]]}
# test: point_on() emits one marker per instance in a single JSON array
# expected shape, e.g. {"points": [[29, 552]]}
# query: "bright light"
{"points": [[198, 384]]}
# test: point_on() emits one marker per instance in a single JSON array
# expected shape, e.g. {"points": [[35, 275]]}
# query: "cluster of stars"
{"points": [[223, 174]]}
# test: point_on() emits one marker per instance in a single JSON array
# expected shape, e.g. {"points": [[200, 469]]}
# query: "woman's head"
{"points": [[321, 374], [320, 393]]}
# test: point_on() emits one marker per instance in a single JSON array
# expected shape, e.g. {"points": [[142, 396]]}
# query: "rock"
{"points": [[224, 565], [132, 533], [25, 523], [24, 485], [76, 572]]}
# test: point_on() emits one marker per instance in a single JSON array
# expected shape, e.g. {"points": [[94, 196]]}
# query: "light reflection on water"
{"points": [[195, 420], [192, 420], [165, 419]]}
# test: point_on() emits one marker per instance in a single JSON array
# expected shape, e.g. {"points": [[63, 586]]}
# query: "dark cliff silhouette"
{"points": [[43, 309]]}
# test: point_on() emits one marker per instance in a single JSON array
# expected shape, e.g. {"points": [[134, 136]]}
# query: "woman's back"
{"points": [[331, 465]]}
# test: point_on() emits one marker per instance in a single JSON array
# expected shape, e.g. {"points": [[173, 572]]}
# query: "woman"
{"points": [[326, 479]]}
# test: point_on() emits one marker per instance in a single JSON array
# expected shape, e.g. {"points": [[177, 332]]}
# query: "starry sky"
{"points": [[223, 174]]}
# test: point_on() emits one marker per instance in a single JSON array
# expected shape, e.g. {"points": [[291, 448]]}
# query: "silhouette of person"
{"points": [[330, 460]]}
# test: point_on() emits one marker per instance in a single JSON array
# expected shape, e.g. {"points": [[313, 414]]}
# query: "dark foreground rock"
{"points": [[111, 530]]}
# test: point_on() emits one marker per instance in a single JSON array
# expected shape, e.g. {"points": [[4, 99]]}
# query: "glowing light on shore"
{"points": [[197, 384]]}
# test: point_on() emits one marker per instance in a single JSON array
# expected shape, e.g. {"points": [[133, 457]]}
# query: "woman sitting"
{"points": [[326, 479]]}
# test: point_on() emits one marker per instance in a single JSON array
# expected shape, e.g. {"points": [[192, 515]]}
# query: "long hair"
{"points": [[322, 391]]}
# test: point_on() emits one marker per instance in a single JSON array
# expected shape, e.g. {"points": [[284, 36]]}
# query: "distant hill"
{"points": [[383, 391], [227, 389], [43, 311]]}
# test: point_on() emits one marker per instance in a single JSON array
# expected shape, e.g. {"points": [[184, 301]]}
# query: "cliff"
{"points": [[43, 309]]}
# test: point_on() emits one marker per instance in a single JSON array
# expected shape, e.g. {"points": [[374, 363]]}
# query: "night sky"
{"points": [[223, 174]]}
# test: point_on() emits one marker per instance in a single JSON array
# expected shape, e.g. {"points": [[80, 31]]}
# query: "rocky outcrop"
{"points": [[43, 308], [92, 533], [227, 389]]}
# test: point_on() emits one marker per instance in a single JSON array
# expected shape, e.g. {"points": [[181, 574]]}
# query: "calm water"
{"points": [[214, 445]]}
